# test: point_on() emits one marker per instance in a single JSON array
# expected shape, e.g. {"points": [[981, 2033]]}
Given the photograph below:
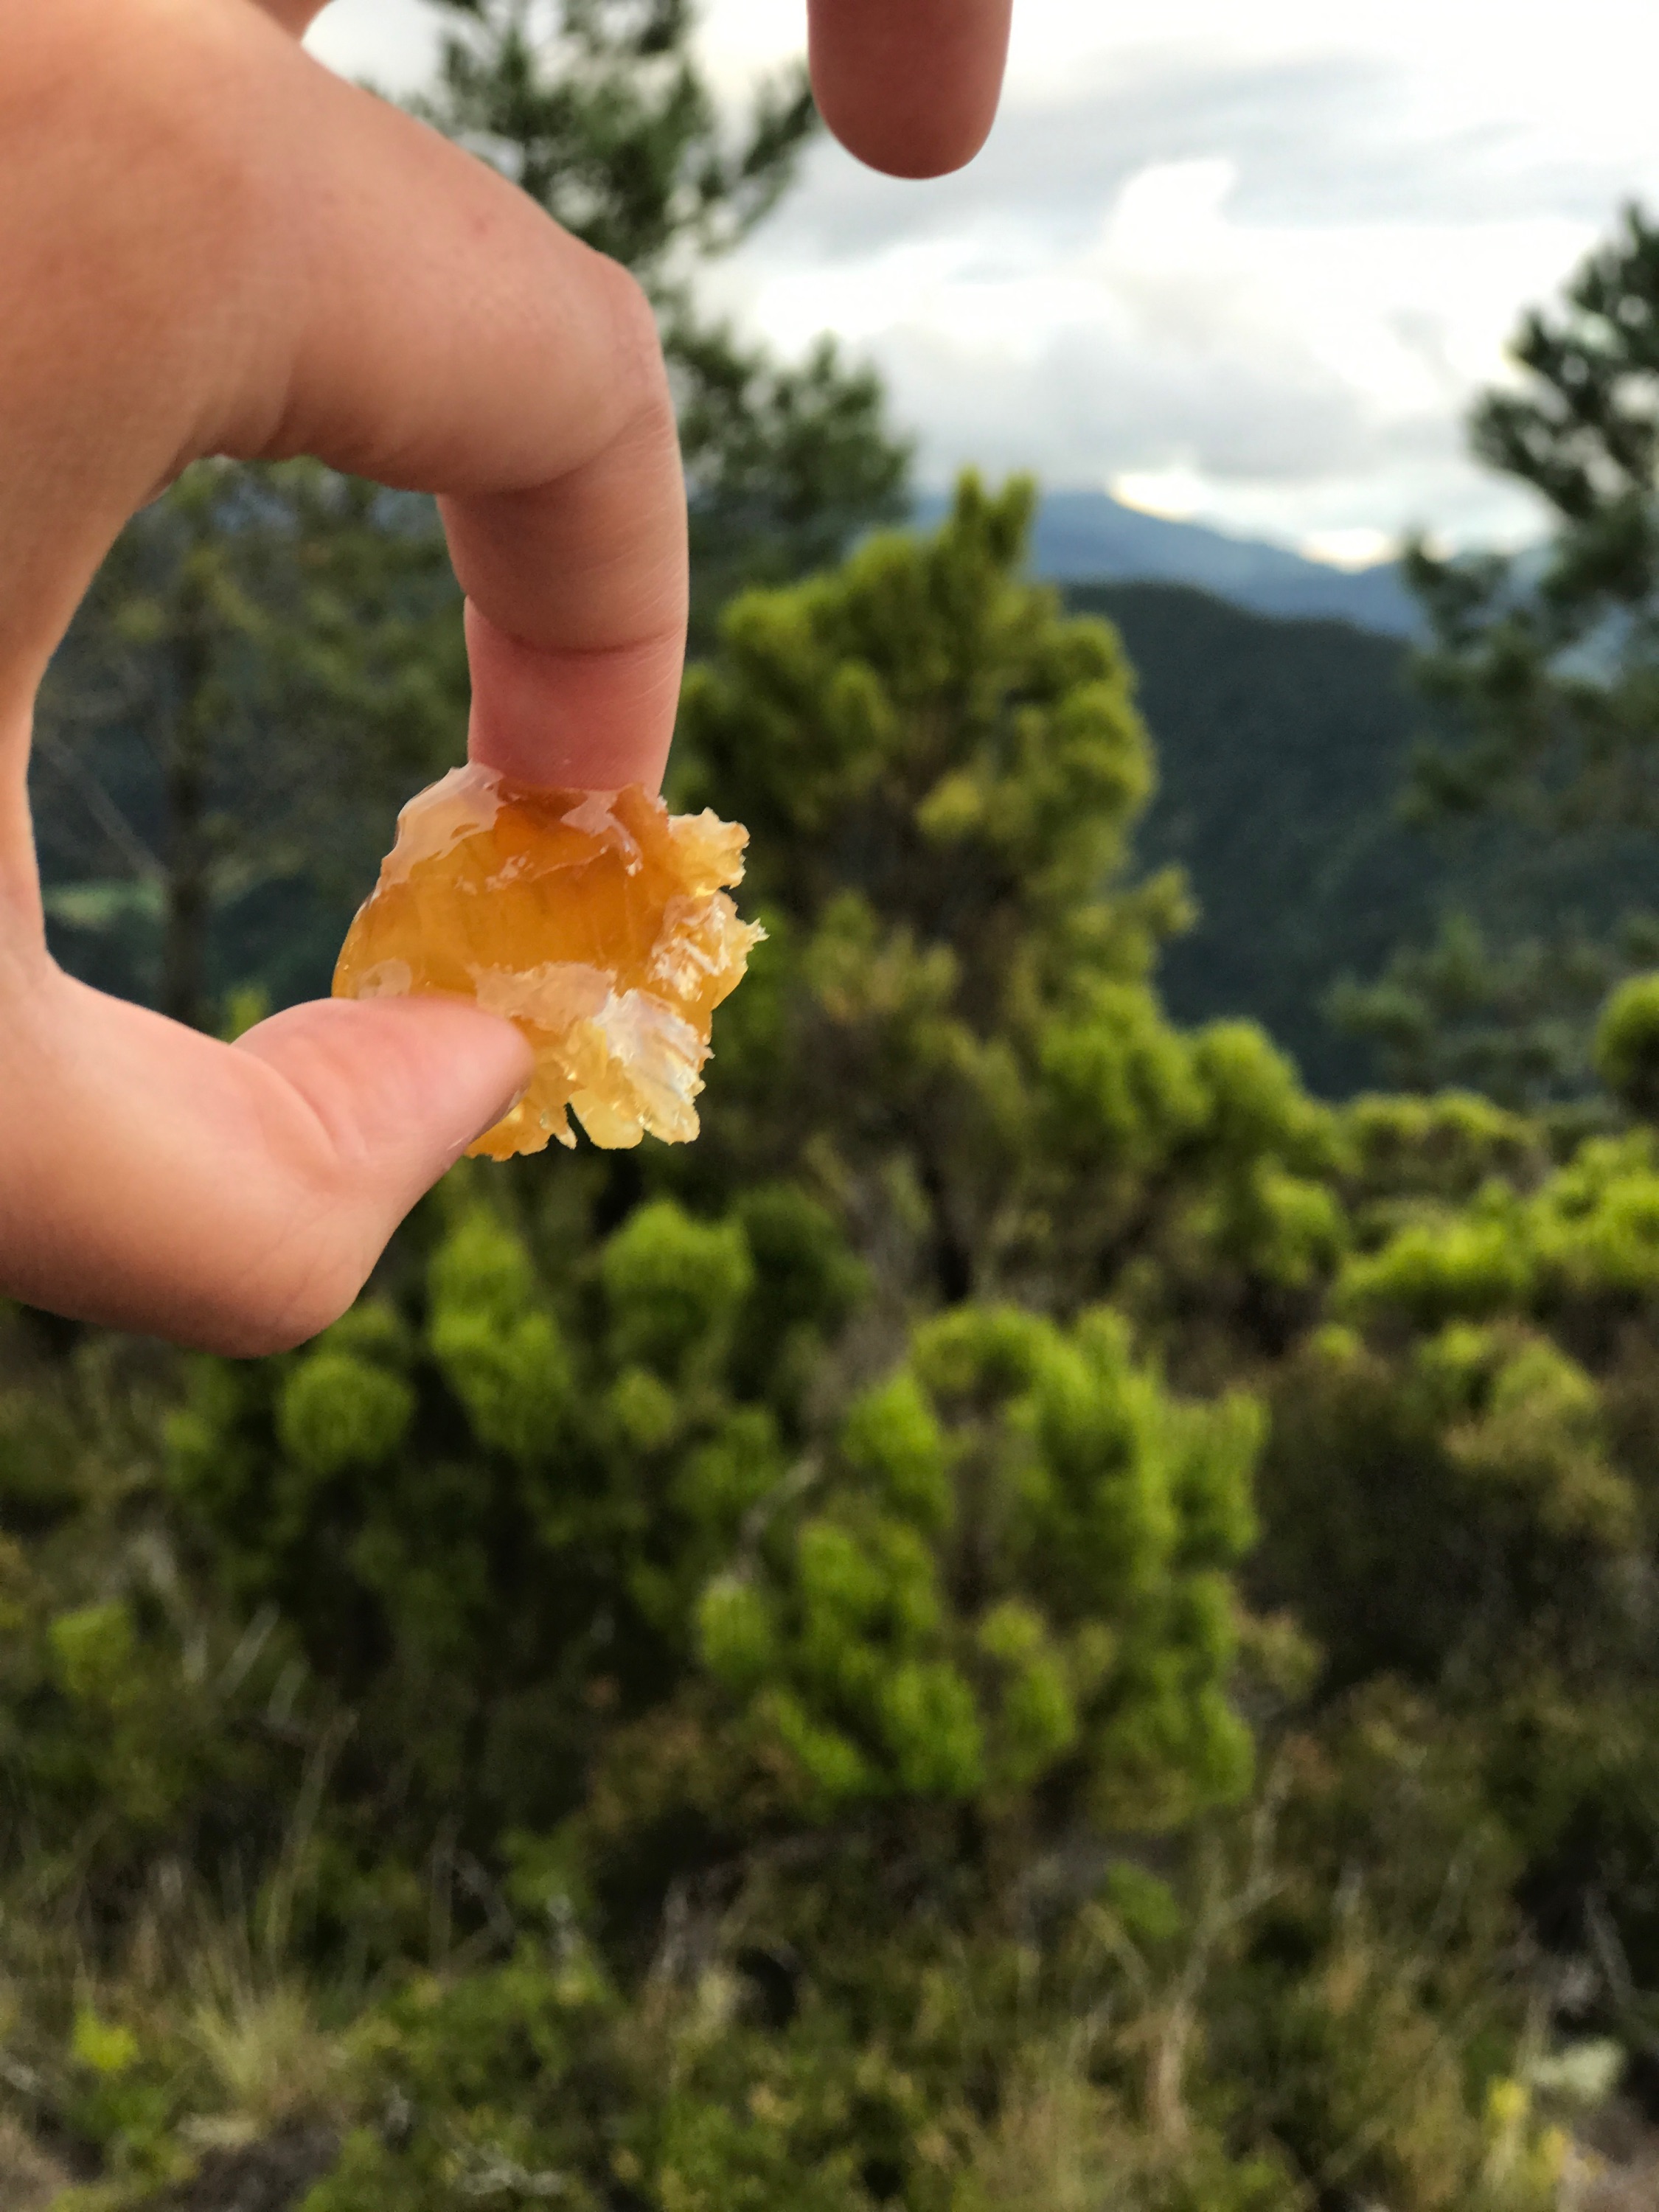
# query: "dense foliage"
{"points": [[1040, 1620], [1472, 950], [1543, 665]]}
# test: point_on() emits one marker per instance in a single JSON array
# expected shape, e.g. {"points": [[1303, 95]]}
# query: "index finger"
{"points": [[427, 325]]}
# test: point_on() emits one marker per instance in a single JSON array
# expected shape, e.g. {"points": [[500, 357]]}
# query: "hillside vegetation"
{"points": [[1059, 1615], [1285, 751], [1040, 1620]]}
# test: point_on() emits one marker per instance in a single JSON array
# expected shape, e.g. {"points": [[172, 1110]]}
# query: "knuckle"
{"points": [[139, 121], [636, 342]]}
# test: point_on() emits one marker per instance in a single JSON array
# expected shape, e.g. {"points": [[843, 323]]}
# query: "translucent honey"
{"points": [[594, 919]]}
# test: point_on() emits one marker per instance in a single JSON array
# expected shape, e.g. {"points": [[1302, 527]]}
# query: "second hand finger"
{"points": [[909, 85]]}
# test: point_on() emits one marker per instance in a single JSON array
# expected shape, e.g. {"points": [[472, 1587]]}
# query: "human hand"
{"points": [[213, 246]]}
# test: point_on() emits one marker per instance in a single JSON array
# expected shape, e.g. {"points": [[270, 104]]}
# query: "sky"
{"points": [[1245, 266]]}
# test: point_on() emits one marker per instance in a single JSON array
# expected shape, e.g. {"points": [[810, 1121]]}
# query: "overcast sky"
{"points": [[1244, 264]]}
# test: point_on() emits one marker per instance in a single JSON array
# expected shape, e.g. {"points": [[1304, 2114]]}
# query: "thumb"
{"points": [[397, 1087], [231, 1197]]}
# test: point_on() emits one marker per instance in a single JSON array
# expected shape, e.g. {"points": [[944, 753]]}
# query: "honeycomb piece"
{"points": [[594, 919]]}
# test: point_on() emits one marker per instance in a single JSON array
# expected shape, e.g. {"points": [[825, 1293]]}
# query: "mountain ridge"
{"points": [[1087, 536]]}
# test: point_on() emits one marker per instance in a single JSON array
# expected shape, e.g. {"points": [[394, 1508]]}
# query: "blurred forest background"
{"points": [[1063, 1614]]}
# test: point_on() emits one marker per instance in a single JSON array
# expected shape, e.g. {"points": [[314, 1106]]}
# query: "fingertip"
{"points": [[897, 139], [374, 1103], [589, 721], [295, 16], [909, 87], [231, 1197], [400, 1087]]}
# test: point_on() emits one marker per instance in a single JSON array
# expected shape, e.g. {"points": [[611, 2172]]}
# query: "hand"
{"points": [[212, 245]]}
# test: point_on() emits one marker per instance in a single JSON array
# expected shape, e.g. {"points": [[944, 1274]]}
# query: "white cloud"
{"points": [[390, 43], [1277, 279], [1264, 260], [1305, 378]]}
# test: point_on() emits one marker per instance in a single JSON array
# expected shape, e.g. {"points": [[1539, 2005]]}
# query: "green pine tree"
{"points": [[1553, 667], [1545, 664], [266, 662]]}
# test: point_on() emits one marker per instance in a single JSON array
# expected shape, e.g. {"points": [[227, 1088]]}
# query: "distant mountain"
{"points": [[1085, 536], [1283, 747]]}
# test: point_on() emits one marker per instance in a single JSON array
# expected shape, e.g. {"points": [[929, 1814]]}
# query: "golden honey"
{"points": [[594, 919]]}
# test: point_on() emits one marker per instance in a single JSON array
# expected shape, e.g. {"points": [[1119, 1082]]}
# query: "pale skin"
{"points": [[212, 245]]}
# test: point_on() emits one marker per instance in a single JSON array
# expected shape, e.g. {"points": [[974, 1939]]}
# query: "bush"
{"points": [[1627, 1049]]}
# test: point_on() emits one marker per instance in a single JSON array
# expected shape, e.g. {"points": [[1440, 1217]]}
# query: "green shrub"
{"points": [[1627, 1049]]}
